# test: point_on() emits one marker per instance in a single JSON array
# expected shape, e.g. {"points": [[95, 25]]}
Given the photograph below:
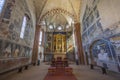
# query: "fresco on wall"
{"points": [[49, 42], [104, 55], [91, 31], [13, 22], [15, 36], [96, 12], [23, 51], [27, 51], [48, 47], [115, 40], [11, 26], [49, 37], [92, 26], [12, 34], [13, 49], [8, 48], [106, 51], [84, 37], [17, 23], [17, 51]]}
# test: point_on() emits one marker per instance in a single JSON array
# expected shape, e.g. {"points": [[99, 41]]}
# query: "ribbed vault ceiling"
{"points": [[57, 11]]}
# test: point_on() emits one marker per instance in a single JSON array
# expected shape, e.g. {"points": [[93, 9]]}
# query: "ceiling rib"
{"points": [[58, 10], [72, 7], [41, 11]]}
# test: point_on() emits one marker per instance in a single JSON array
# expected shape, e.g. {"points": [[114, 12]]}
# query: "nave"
{"points": [[86, 32], [81, 72]]}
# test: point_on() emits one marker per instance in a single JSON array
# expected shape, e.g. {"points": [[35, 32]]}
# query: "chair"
{"points": [[53, 62], [52, 70], [59, 62], [68, 70], [65, 62]]}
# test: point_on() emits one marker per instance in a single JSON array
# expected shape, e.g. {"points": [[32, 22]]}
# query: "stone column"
{"points": [[35, 46], [78, 42], [42, 44]]}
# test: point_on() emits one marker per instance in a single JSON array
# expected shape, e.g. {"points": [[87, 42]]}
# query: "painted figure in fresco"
{"points": [[103, 55], [16, 53], [7, 52]]}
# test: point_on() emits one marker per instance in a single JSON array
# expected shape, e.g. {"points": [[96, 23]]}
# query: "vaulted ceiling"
{"points": [[57, 11]]}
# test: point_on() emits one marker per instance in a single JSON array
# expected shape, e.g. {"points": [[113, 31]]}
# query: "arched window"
{"points": [[23, 27], [1, 5], [40, 38]]}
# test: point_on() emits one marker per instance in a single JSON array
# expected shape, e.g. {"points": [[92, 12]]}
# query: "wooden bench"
{"points": [[68, 70], [52, 70]]}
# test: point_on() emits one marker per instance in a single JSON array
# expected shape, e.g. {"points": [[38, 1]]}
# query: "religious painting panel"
{"points": [[8, 49], [59, 41], [17, 50], [49, 37], [22, 51], [27, 51], [115, 40], [49, 47]]}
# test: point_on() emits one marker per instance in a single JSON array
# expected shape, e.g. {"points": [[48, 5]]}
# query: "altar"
{"points": [[56, 45]]}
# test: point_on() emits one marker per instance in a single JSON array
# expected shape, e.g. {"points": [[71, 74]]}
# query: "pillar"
{"points": [[42, 44], [35, 46], [78, 42]]}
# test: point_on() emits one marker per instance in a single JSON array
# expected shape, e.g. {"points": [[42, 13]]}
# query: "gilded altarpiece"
{"points": [[55, 45], [59, 43]]}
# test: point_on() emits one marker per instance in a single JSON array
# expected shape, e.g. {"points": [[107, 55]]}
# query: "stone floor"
{"points": [[39, 72], [85, 73], [33, 73]]}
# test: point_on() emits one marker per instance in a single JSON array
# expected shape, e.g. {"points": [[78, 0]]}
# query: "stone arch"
{"points": [[103, 40], [58, 11]]}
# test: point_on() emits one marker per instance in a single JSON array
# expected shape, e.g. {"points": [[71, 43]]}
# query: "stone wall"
{"points": [[101, 26], [11, 19]]}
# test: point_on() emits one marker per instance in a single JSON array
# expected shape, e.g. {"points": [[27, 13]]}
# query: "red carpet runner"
{"points": [[60, 74]]}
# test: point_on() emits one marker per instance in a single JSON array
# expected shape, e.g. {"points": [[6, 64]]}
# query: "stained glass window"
{"points": [[1, 5], [23, 27]]}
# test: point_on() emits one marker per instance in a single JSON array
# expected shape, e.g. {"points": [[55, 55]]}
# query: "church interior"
{"points": [[60, 39]]}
